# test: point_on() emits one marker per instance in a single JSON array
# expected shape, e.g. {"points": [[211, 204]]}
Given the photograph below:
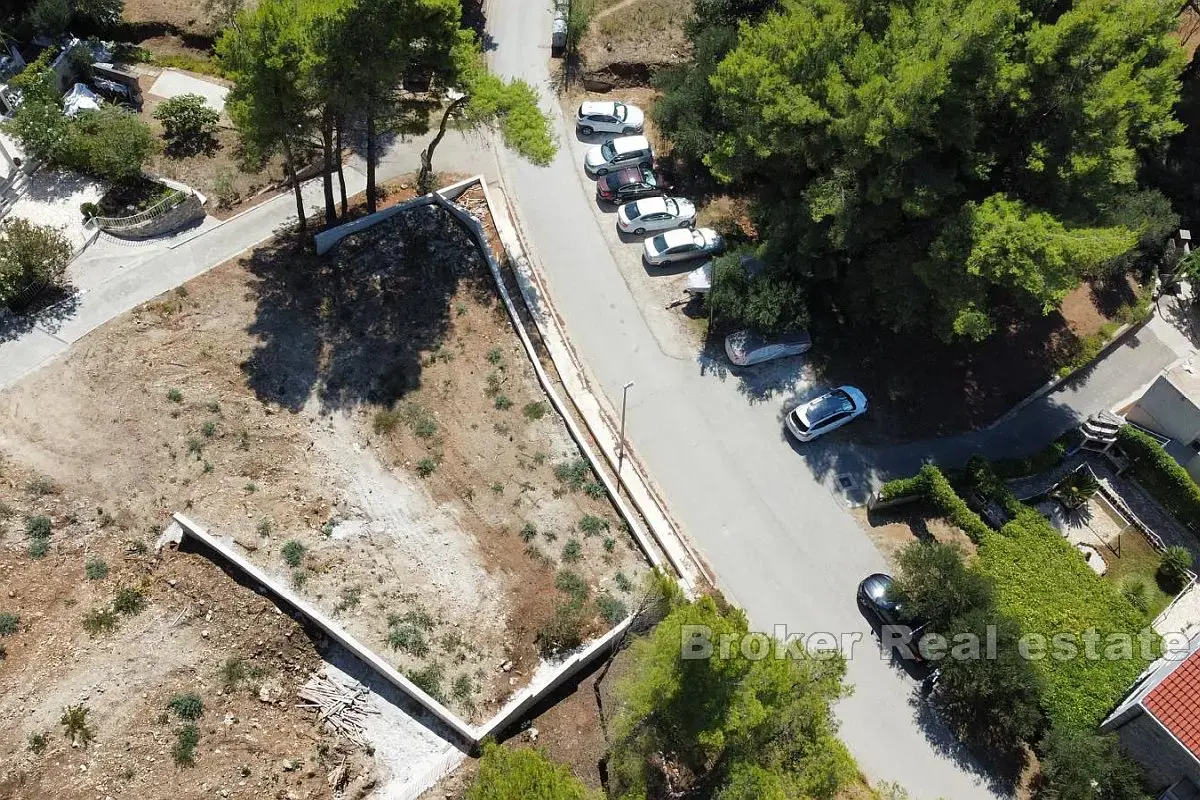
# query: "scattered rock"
{"points": [[270, 691], [289, 765], [533, 734], [506, 666]]}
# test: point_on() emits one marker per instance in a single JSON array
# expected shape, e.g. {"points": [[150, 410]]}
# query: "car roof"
{"points": [[627, 175], [624, 144], [651, 205], [677, 236], [876, 586], [590, 107]]}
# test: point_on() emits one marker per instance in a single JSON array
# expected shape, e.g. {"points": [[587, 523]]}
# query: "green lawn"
{"points": [[1137, 562]]}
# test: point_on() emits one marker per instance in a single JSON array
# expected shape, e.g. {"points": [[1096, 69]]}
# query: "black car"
{"points": [[628, 184], [897, 630]]}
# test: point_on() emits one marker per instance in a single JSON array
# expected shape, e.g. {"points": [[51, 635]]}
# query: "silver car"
{"points": [[608, 117], [745, 348], [682, 244], [655, 214]]}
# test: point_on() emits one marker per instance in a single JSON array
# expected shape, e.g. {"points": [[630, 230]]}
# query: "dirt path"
{"points": [[615, 7]]}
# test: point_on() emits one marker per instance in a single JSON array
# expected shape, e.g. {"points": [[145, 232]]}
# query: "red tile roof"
{"points": [[1175, 702]]}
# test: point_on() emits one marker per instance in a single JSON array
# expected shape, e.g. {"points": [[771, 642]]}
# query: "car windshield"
{"points": [[621, 111], [672, 207], [632, 211], [607, 150], [832, 403], [659, 243]]}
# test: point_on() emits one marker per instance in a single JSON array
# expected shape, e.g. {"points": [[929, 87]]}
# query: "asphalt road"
{"points": [[782, 544]]}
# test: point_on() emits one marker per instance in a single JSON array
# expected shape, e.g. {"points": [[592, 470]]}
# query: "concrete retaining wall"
{"points": [[190, 210], [331, 628]]}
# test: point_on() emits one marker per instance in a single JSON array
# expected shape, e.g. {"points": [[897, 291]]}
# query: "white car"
{"points": [[619, 153], [681, 244], [655, 214], [609, 117], [828, 412], [745, 348]]}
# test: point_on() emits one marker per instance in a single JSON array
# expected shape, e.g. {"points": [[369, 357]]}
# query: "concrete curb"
{"points": [[687, 565]]}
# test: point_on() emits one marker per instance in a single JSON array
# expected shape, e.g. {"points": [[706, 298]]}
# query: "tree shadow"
{"points": [[47, 309], [187, 146], [1000, 771], [353, 325]]}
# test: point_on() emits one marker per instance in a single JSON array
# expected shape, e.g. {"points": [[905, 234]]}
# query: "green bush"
{"points": [[187, 706], [293, 553], [37, 527], [942, 496], [8, 623], [1170, 483], [186, 120], [1043, 460], [564, 631], [110, 143], [1173, 569], [30, 256], [612, 609], [129, 601], [1042, 583], [511, 774], [95, 569], [903, 487], [185, 746]]}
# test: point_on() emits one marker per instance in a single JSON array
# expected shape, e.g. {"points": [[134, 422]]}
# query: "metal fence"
{"points": [[157, 210]]}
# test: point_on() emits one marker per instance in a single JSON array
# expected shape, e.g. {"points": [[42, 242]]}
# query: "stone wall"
{"points": [[190, 210], [1163, 757]]}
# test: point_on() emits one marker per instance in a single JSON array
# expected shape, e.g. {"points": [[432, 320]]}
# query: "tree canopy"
{"points": [[925, 162], [749, 728]]}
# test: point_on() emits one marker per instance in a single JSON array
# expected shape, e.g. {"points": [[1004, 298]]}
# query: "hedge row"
{"points": [[941, 494], [1042, 582], [903, 487], [1162, 476], [931, 484]]}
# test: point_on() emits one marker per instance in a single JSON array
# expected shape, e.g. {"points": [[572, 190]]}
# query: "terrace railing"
{"points": [[169, 202]]}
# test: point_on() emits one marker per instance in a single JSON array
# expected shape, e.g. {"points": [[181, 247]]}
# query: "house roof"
{"points": [[1175, 702]]}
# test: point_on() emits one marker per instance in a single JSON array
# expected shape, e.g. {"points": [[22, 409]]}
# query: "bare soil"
{"points": [[893, 529], [195, 620], [626, 42], [282, 397]]}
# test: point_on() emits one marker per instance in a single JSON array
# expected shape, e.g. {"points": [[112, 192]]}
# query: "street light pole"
{"points": [[621, 444]]}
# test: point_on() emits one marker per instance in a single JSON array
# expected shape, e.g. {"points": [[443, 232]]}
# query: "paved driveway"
{"points": [[782, 545]]}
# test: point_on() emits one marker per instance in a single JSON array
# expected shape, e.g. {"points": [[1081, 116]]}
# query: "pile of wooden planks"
{"points": [[342, 709]]}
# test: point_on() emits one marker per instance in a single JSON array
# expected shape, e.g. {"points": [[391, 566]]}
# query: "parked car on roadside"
{"points": [[656, 214], [623, 151], [633, 183], [829, 411], [896, 628], [608, 117], [745, 348], [681, 244]]}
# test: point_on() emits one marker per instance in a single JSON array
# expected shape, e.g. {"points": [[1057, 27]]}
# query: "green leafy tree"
{"points": [[487, 100], [30, 255], [188, 122], [992, 699], [509, 774], [936, 585], [918, 164], [753, 727], [1087, 766], [264, 53], [111, 143]]}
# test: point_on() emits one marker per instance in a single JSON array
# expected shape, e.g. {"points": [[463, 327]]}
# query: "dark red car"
{"points": [[628, 184]]}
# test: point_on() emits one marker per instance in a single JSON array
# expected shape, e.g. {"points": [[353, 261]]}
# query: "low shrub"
{"points": [[8, 623], [564, 631], [1162, 476], [534, 411], [95, 569], [38, 742], [100, 620], [185, 746], [38, 548], [903, 487], [590, 525], [187, 705], [129, 601], [75, 725], [37, 527], [429, 680], [574, 474], [572, 551], [292, 552], [611, 609], [572, 584]]}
